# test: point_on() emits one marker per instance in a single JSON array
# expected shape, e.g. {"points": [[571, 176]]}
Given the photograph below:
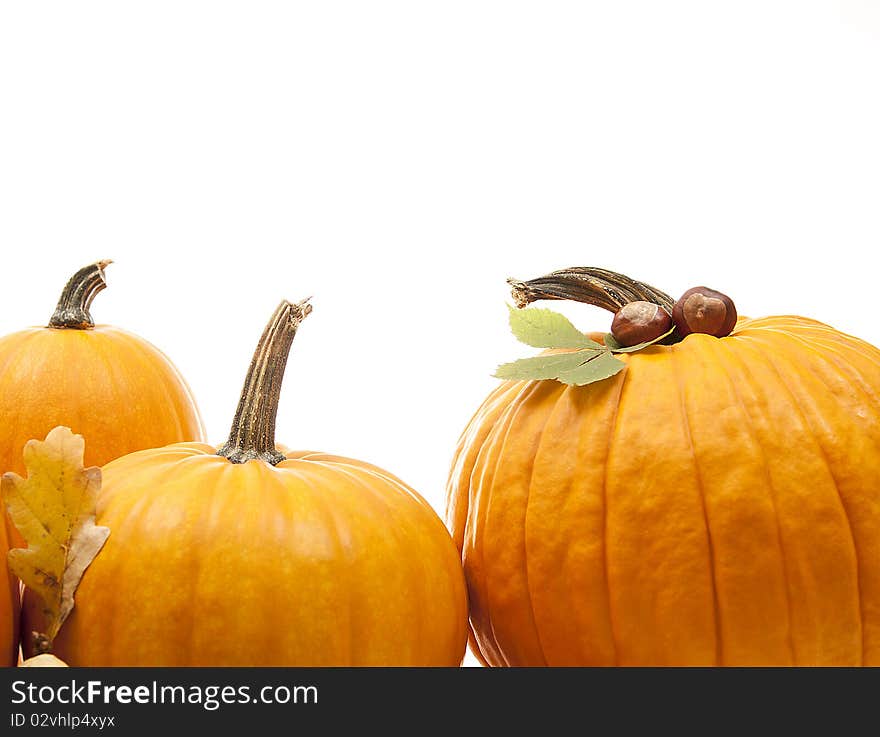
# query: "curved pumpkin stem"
{"points": [[73, 306], [252, 436], [599, 287]]}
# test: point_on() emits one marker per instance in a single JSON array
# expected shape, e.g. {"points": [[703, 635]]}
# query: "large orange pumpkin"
{"points": [[253, 555], [715, 503], [116, 389]]}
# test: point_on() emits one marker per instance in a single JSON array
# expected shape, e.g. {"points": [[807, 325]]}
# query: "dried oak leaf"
{"points": [[54, 510]]}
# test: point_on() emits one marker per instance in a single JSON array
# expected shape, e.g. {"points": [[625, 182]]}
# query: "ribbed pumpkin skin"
{"points": [[318, 561], [9, 605], [716, 503], [115, 389]]}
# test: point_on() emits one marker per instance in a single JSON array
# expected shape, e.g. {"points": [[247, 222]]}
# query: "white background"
{"points": [[398, 160]]}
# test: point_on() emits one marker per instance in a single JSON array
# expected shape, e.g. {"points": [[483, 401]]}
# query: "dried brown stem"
{"points": [[253, 429], [73, 306], [599, 287]]}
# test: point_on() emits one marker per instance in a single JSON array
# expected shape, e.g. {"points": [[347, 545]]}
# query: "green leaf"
{"points": [[601, 366], [589, 362], [542, 328], [576, 368], [615, 347], [611, 343], [542, 367]]}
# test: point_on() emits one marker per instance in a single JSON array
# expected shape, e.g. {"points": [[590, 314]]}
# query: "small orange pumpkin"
{"points": [[116, 389], [253, 555], [715, 503]]}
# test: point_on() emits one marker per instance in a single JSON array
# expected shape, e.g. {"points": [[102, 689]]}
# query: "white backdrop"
{"points": [[398, 160]]}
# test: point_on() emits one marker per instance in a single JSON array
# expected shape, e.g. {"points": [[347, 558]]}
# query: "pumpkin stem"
{"points": [[73, 307], [253, 429], [599, 287]]}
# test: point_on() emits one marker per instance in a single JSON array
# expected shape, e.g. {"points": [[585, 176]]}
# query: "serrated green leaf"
{"points": [[599, 367], [542, 367], [576, 368], [615, 347], [541, 328]]}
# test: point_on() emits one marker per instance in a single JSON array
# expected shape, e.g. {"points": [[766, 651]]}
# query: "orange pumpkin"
{"points": [[9, 604], [715, 503], [116, 389], [253, 555]]}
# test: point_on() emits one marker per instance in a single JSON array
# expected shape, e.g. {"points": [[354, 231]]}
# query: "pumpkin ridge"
{"points": [[698, 477], [496, 412], [573, 624], [403, 513], [849, 370], [168, 375], [393, 531], [737, 501], [30, 338], [465, 447], [149, 367], [322, 502], [810, 334], [796, 403], [841, 350], [420, 508], [119, 380], [472, 547], [812, 613], [612, 435], [343, 462], [112, 618], [529, 498], [163, 380], [784, 322], [771, 495], [531, 495], [476, 438], [553, 391], [490, 452], [224, 490], [794, 325], [307, 500], [175, 372], [533, 389], [811, 433], [9, 429], [493, 408], [196, 574]]}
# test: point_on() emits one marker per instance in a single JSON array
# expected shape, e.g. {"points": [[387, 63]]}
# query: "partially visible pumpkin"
{"points": [[253, 555], [116, 389], [9, 603], [715, 503]]}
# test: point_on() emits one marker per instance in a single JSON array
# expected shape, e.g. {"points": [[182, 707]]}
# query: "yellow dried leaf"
{"points": [[54, 510]]}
